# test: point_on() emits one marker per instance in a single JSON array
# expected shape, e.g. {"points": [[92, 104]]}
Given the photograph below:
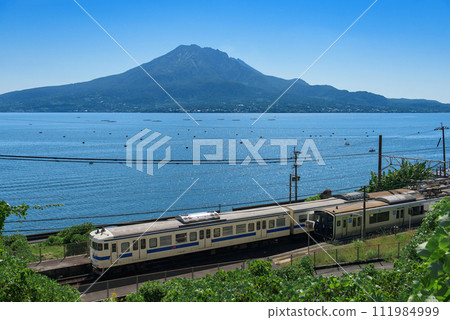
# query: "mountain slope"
{"points": [[202, 79]]}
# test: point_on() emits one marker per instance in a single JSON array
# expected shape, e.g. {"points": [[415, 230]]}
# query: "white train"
{"points": [[333, 218]]}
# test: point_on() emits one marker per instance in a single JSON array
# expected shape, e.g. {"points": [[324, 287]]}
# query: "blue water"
{"points": [[96, 190]]}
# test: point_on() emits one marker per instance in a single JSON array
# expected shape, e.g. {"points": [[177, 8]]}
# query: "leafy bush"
{"points": [[16, 245], [19, 283], [74, 234]]}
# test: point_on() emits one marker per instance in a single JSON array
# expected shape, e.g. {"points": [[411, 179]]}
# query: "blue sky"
{"points": [[400, 48]]}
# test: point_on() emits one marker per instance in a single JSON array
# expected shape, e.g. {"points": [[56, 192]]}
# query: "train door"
{"points": [[344, 227], [400, 216], [142, 248], [136, 251], [208, 243], [113, 254], [263, 229]]}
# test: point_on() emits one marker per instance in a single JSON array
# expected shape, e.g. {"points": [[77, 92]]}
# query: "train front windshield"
{"points": [[323, 224]]}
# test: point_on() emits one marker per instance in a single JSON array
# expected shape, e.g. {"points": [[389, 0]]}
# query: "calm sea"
{"points": [[111, 193]]}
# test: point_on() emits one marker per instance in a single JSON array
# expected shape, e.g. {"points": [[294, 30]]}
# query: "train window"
{"points": [[153, 242], [241, 228], [143, 243], [135, 245], [193, 236], [354, 222], [165, 241], [264, 225], [216, 232], [227, 231], [344, 223], [417, 211], [338, 223], [383, 216], [379, 217], [397, 214], [359, 221], [251, 227], [105, 246], [402, 212], [114, 247], [180, 237], [208, 233], [124, 247], [281, 222], [202, 234], [302, 218], [271, 224], [99, 247], [258, 225]]}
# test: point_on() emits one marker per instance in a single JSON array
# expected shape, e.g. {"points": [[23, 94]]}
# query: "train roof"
{"points": [[373, 195], [353, 207]]}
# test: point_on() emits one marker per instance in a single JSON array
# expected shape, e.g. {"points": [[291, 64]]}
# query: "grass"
{"points": [[385, 246], [52, 252]]}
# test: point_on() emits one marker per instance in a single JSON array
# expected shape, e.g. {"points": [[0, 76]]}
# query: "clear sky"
{"points": [[400, 48]]}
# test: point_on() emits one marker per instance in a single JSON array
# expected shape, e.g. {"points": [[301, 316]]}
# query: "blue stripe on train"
{"points": [[173, 247], [298, 226], [279, 229], [234, 237], [101, 258]]}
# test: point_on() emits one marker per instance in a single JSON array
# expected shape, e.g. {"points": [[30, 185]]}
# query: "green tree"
{"points": [[20, 211], [408, 173]]}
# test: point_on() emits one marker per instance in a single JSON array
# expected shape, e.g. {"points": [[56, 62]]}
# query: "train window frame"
{"points": [[152, 242], [105, 247], [271, 224], [251, 227], [227, 231], [281, 222], [264, 225], [201, 234], [124, 249], [135, 245], [208, 234], [417, 211], [241, 228], [258, 225], [143, 244], [216, 233], [193, 236], [113, 247], [180, 237], [165, 241]]}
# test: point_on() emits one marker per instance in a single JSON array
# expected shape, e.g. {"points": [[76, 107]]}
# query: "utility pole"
{"points": [[295, 177], [290, 187], [442, 128], [380, 152], [363, 224]]}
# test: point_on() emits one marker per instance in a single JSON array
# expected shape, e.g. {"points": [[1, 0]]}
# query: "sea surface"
{"points": [[108, 193]]}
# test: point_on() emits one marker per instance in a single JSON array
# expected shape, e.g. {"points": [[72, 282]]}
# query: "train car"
{"points": [[198, 232], [384, 210]]}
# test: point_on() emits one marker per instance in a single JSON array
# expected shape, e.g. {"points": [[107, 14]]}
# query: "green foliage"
{"points": [[408, 174], [435, 283], [74, 234], [20, 211], [313, 198], [16, 245], [19, 283]]}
